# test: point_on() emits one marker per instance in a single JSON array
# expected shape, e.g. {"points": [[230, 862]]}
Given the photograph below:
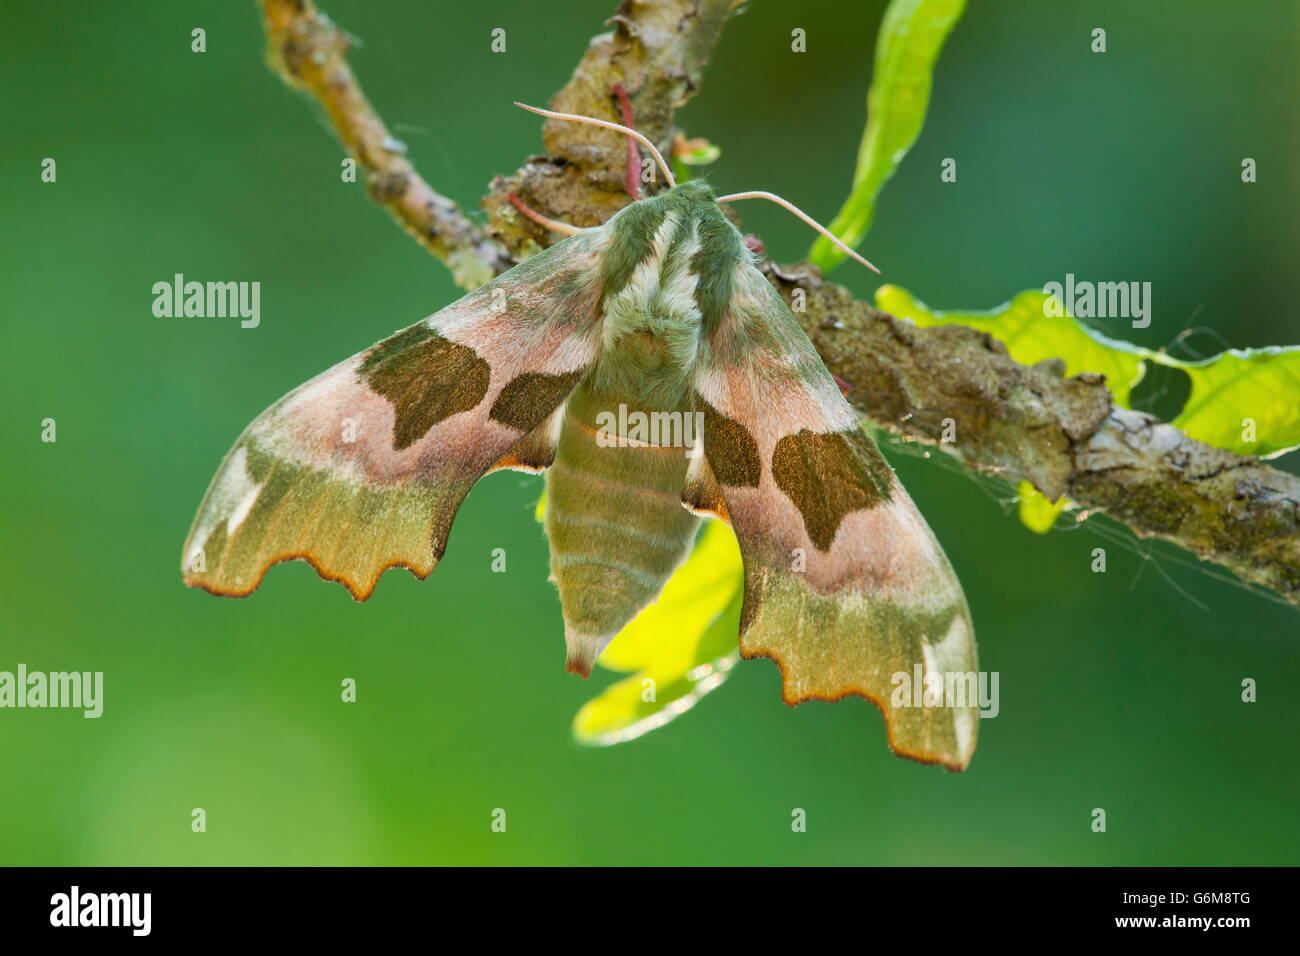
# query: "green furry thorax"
{"points": [[697, 213], [667, 279]]}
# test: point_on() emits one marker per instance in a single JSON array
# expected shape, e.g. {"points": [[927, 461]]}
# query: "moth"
{"points": [[660, 311]]}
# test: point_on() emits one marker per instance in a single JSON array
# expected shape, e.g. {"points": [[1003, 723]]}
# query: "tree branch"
{"points": [[1065, 436]]}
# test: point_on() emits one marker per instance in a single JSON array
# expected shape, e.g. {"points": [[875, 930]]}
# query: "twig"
{"points": [[309, 52]]}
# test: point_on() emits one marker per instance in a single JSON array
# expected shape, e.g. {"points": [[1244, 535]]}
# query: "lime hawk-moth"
{"points": [[660, 310]]}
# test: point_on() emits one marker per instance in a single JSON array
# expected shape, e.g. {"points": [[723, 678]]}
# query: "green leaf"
{"points": [[1030, 334], [911, 35], [685, 645], [691, 152], [1246, 401], [1244, 394], [698, 152], [1036, 512]]}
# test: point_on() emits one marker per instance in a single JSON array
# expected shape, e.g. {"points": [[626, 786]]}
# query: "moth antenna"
{"points": [[658, 157], [759, 194], [563, 228]]}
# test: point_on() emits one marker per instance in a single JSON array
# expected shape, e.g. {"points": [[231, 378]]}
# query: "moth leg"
{"points": [[563, 228]]}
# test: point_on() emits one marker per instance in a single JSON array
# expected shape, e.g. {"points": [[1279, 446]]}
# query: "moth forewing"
{"points": [[363, 468], [846, 587]]}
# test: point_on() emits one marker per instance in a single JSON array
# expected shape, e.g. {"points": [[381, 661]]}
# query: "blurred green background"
{"points": [[1117, 690]]}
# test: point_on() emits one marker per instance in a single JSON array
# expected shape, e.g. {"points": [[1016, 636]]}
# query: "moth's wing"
{"points": [[846, 588], [363, 468]]}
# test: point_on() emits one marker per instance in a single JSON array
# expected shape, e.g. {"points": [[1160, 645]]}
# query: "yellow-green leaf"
{"points": [[688, 153], [1244, 400], [911, 35], [1036, 512], [1247, 401], [679, 648]]}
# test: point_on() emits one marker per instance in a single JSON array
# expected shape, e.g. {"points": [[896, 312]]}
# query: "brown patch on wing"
{"points": [[829, 475], [531, 397], [730, 448], [426, 378]]}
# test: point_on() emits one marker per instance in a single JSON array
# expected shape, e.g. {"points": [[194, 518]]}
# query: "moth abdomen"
{"points": [[614, 518]]}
